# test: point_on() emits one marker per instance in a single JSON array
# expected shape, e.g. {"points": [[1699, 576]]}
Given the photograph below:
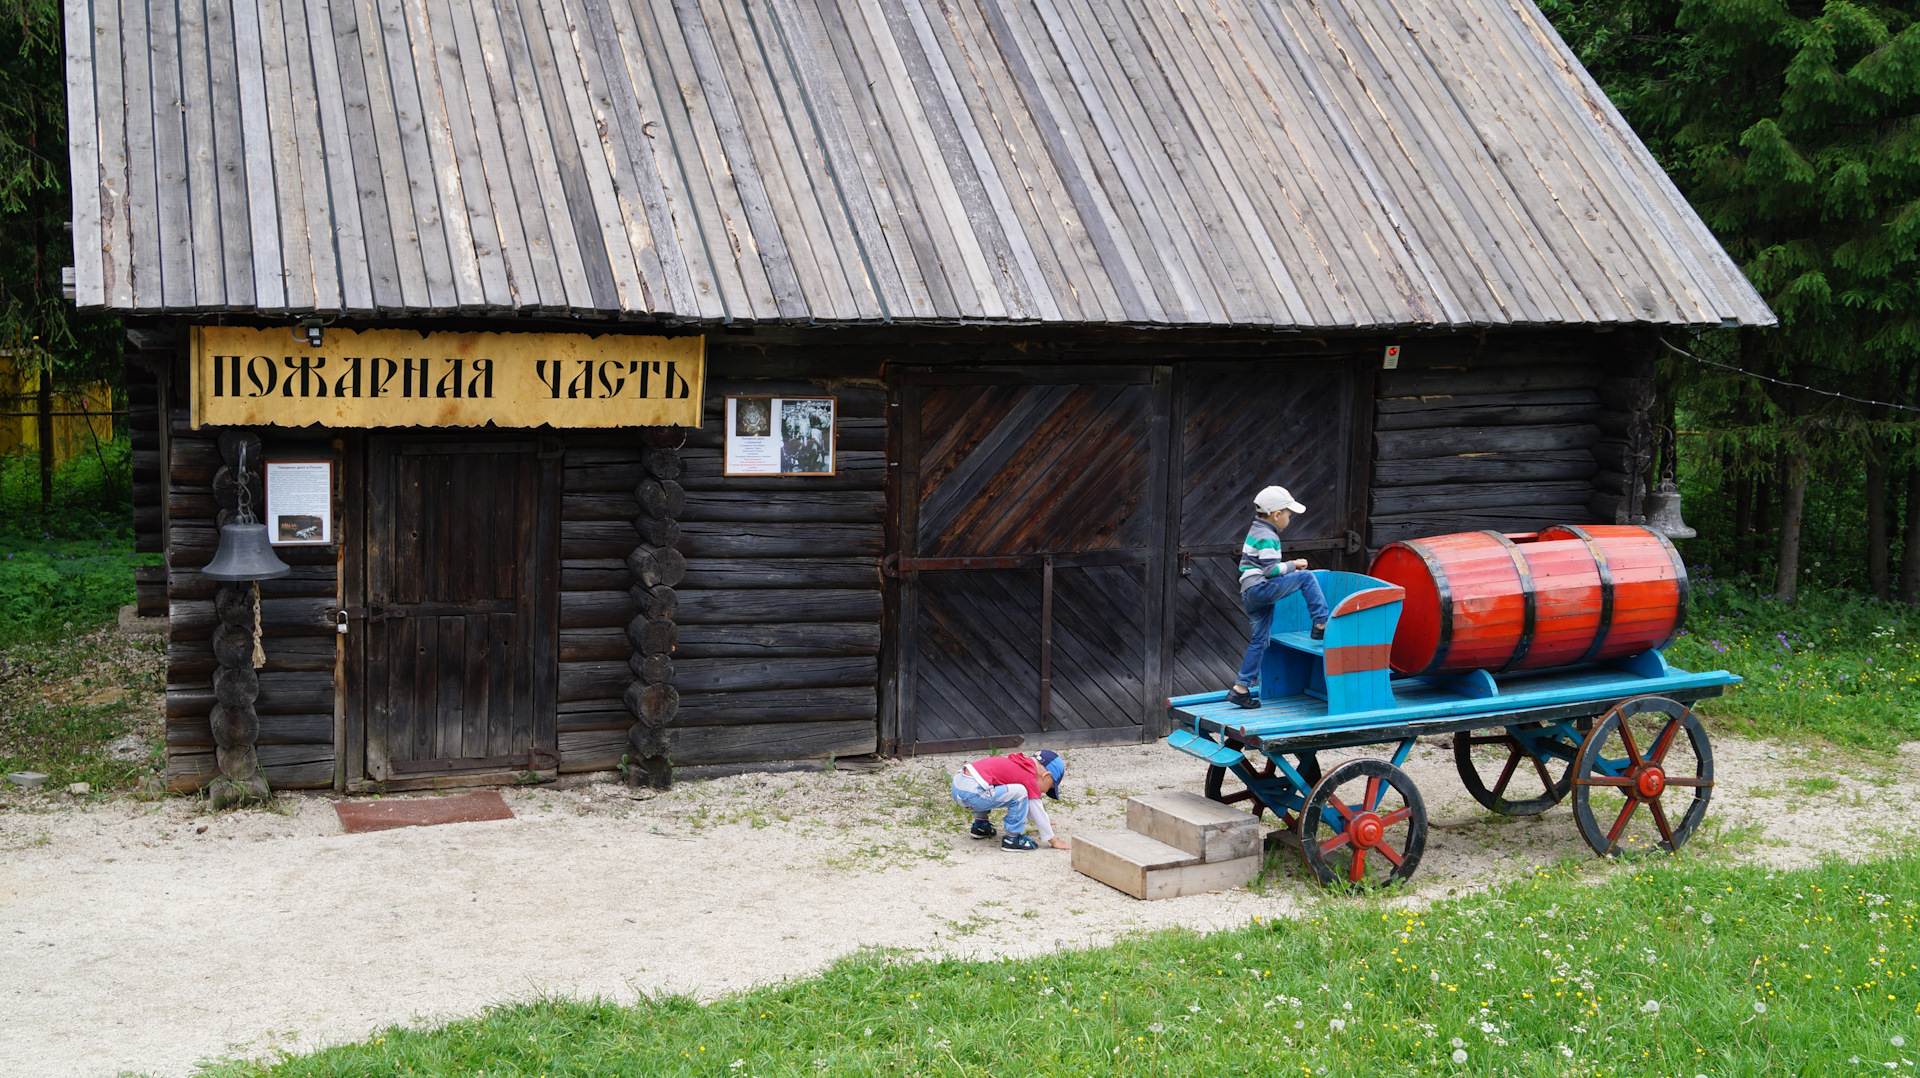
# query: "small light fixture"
{"points": [[314, 328]]}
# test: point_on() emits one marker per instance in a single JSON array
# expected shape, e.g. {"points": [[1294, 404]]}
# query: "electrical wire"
{"points": [[1783, 382]]}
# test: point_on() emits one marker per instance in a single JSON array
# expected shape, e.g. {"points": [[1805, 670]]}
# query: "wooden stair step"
{"points": [[1147, 868], [1202, 827]]}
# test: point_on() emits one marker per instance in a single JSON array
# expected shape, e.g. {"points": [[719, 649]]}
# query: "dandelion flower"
{"points": [[1759, 1007], [1458, 1043], [1156, 1028], [1899, 1041], [1336, 1024], [1651, 1006], [1346, 1006], [1706, 918], [1434, 976], [1459, 1055], [1565, 1051]]}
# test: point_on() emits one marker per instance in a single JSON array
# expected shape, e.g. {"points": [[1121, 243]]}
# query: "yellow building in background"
{"points": [[81, 415]]}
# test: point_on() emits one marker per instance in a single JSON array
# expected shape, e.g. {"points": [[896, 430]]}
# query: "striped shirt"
{"points": [[1260, 555]]}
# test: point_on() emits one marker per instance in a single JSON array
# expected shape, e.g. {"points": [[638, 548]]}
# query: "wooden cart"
{"points": [[1618, 736]]}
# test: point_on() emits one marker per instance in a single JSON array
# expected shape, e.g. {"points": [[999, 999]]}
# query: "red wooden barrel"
{"points": [[1569, 594]]}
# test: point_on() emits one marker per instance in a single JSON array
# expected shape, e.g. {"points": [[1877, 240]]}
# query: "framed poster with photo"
{"points": [[779, 436], [299, 502]]}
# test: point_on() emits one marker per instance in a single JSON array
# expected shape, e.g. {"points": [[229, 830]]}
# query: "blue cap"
{"points": [[1056, 767]]}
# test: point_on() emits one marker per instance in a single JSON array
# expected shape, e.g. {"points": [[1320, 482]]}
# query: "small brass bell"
{"points": [[245, 553], [1663, 512]]}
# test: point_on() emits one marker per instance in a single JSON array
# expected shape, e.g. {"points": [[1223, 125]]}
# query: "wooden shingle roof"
{"points": [[1317, 164]]}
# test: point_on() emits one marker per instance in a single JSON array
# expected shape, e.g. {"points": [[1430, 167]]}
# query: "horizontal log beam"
{"points": [[599, 680], [780, 639], [1414, 382], [778, 506], [733, 573], [728, 540], [290, 692], [194, 619], [596, 609], [302, 582], [775, 706], [597, 539], [189, 660], [771, 605], [1393, 502], [704, 470], [594, 645], [693, 746], [308, 729], [751, 675], [1486, 468], [1451, 441], [287, 767], [595, 574], [1505, 415], [1448, 402]]}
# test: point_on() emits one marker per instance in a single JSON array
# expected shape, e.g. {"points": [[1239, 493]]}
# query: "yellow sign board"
{"points": [[401, 378]]}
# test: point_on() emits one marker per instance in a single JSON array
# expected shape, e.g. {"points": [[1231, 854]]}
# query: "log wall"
{"points": [[149, 361], [1506, 433]]}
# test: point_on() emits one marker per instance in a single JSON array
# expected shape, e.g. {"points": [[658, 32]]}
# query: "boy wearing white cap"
{"points": [[1265, 578]]}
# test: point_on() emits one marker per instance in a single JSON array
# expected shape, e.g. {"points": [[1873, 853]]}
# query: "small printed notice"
{"points": [[300, 502], [779, 435]]}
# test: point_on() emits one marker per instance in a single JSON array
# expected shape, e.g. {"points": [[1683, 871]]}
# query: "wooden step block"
{"points": [[1208, 829], [1148, 869]]}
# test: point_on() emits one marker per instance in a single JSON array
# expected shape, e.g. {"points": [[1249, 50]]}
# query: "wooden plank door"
{"points": [[461, 618], [1032, 556], [1304, 426]]}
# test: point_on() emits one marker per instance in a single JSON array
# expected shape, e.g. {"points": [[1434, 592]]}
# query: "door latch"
{"points": [[372, 612]]}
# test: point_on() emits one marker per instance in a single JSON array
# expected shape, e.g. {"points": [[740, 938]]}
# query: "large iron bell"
{"points": [[1663, 512], [245, 554]]}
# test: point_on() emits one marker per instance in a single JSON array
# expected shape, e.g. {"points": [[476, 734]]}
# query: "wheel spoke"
{"points": [[1228, 799], [1660, 820], [1340, 806], [1387, 852], [1660, 747], [1373, 795], [1602, 780], [1333, 843], [1540, 767], [1620, 824], [1506, 775], [1395, 817], [1698, 783], [1626, 736], [1358, 870]]}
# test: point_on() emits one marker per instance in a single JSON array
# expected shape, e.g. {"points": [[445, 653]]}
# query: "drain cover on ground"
{"points": [[358, 816]]}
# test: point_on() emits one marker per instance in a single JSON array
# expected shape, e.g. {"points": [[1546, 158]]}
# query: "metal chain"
{"points": [[1783, 382]]}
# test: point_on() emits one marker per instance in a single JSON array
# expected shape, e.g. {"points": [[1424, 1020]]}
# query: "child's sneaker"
{"points": [[982, 829], [1241, 698], [1319, 631], [1018, 842]]}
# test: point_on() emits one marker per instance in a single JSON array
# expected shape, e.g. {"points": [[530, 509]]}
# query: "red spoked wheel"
{"points": [[1642, 751], [1225, 787], [1499, 772], [1381, 827]]}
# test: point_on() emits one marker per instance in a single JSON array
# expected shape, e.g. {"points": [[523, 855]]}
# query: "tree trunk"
{"points": [[1877, 581], [1762, 515], [44, 430], [1910, 557], [1786, 576]]}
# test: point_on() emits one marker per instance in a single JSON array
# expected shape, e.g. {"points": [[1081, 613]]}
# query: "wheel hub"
{"points": [[1650, 782], [1366, 830]]}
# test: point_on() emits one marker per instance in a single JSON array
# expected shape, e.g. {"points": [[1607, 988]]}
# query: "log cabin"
{"points": [[859, 375]]}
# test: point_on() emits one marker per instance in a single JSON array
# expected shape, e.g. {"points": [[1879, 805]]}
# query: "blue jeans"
{"points": [[1258, 601], [981, 799]]}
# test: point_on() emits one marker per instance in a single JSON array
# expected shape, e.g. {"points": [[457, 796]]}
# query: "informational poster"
{"points": [[300, 502], [779, 435]]}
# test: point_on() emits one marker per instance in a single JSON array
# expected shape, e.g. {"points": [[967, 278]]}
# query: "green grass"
{"points": [[1752, 972], [64, 702], [1834, 664]]}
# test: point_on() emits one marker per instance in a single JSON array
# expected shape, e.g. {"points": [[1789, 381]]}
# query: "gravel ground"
{"points": [[145, 936]]}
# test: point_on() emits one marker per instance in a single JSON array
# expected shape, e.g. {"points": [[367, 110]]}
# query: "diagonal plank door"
{"points": [[1030, 556], [1243, 427], [461, 627]]}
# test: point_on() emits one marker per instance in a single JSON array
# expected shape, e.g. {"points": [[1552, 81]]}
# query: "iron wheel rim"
{"points": [[1343, 857], [1646, 781]]}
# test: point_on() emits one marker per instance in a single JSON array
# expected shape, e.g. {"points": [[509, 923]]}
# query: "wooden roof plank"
{"points": [[533, 263], [713, 223], [492, 203], [1083, 289], [189, 141], [863, 174], [394, 267], [270, 270], [143, 210], [83, 156], [413, 157], [289, 178], [694, 276], [583, 126], [110, 112], [447, 151], [356, 259], [856, 181], [1137, 304], [1297, 250], [1134, 244], [227, 166], [309, 141], [585, 264], [1209, 279]]}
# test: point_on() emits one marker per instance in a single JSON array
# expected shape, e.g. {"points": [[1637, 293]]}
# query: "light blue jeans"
{"points": [[980, 799], [1258, 601]]}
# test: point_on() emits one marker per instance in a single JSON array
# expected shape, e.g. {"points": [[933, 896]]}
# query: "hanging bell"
{"points": [[245, 554], [1663, 512]]}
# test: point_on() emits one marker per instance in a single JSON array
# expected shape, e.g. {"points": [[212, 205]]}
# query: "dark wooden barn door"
{"points": [[1030, 551], [1242, 427], [460, 620]]}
